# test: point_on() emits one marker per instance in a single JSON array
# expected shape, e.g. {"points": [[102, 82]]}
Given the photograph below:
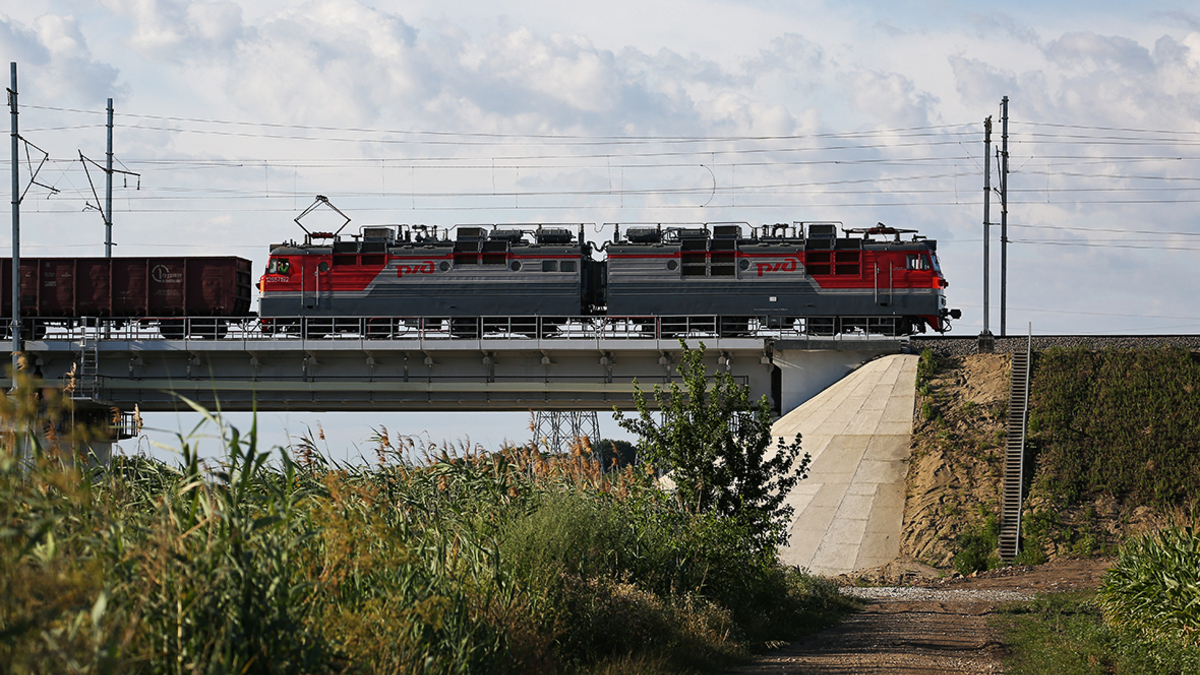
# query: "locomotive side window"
{"points": [[567, 266], [916, 261], [279, 266], [342, 260], [549, 265]]}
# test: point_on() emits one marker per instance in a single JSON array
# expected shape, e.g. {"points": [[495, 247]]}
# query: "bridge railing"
{"points": [[533, 328]]}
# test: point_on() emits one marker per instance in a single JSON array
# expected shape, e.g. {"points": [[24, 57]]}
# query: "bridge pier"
{"points": [[849, 511]]}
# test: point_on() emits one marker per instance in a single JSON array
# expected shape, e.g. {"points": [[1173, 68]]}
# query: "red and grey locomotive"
{"points": [[725, 278]]}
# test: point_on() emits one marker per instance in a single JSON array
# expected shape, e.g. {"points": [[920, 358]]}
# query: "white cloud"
{"points": [[1088, 51], [890, 99], [999, 24], [54, 61], [567, 69], [182, 29]]}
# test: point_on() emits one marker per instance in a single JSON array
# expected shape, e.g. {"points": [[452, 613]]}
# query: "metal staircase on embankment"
{"points": [[1014, 455], [88, 375]]}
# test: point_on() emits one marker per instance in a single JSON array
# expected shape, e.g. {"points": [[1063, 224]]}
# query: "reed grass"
{"points": [[435, 559]]}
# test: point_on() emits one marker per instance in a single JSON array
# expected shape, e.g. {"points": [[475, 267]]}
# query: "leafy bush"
{"points": [[1154, 589], [717, 446], [977, 547]]}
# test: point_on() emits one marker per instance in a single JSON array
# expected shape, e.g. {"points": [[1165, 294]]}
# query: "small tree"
{"points": [[718, 448]]}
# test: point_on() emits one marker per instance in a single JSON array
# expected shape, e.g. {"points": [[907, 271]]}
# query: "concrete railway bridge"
{"points": [[122, 363]]}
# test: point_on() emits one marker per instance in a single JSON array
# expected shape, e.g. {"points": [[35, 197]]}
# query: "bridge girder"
{"points": [[436, 375]]}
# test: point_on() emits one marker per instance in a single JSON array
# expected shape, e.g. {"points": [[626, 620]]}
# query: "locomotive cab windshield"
{"points": [[279, 266], [919, 261]]}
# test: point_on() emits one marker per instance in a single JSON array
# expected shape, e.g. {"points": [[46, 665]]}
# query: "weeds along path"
{"points": [[935, 626]]}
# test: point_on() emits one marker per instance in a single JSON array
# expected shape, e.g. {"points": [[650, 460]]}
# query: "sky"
{"points": [[234, 115]]}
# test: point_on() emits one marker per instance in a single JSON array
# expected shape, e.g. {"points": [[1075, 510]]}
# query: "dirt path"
{"points": [[931, 626]]}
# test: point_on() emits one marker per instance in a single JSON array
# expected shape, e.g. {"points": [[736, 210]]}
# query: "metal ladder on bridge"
{"points": [[1014, 455], [87, 380]]}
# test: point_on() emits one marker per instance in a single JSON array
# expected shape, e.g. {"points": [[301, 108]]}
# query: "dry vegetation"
{"points": [[434, 560], [957, 453]]}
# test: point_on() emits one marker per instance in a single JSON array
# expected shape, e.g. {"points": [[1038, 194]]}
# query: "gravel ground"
{"points": [[937, 625], [916, 594]]}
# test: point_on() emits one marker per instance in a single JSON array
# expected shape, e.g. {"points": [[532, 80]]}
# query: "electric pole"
{"points": [[16, 229], [1003, 215], [108, 172], [987, 214]]}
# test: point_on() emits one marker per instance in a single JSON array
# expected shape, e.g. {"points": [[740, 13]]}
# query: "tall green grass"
{"points": [[1065, 634], [432, 560], [1143, 619], [1124, 423], [1154, 589]]}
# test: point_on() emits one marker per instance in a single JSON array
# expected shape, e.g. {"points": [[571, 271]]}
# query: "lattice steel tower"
{"points": [[558, 430]]}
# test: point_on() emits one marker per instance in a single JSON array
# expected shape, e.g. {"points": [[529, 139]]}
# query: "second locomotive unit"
{"points": [[727, 279]]}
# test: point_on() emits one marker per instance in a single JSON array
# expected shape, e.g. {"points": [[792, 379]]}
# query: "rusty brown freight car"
{"points": [[71, 288]]}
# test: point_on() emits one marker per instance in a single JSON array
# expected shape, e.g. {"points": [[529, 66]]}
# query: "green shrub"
{"points": [[1154, 589], [928, 412], [716, 443], [927, 366], [977, 547]]}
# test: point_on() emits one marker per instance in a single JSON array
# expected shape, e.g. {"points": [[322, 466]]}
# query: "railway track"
{"points": [[968, 344]]}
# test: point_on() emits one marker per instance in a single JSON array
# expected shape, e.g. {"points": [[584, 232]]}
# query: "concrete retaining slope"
{"points": [[850, 508]]}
